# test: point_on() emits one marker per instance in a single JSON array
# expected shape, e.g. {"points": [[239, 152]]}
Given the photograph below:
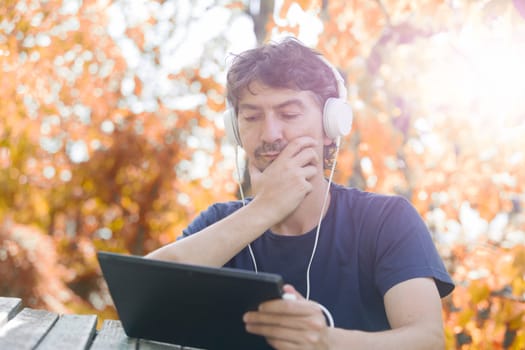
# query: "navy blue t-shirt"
{"points": [[367, 244]]}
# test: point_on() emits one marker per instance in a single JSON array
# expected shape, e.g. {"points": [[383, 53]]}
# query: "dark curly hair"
{"points": [[286, 64]]}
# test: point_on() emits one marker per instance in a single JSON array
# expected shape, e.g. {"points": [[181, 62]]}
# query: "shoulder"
{"points": [[215, 212], [368, 203], [376, 217]]}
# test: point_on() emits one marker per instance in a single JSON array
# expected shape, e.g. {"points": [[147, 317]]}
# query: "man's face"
{"points": [[269, 118]]}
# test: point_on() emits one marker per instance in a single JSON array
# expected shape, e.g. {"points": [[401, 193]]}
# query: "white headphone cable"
{"points": [[241, 192], [325, 201]]}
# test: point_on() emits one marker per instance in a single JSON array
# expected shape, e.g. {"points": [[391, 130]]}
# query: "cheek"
{"points": [[314, 130], [247, 136], [311, 125]]}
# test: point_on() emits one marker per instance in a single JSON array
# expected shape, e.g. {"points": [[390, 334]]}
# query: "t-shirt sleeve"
{"points": [[405, 250], [212, 214]]}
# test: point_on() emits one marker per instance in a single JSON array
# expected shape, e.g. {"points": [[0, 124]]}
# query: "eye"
{"points": [[290, 115], [252, 117]]}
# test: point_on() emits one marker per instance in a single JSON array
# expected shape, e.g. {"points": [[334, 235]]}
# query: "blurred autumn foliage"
{"points": [[111, 136]]}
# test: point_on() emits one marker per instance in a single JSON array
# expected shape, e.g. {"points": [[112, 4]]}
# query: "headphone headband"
{"points": [[341, 87]]}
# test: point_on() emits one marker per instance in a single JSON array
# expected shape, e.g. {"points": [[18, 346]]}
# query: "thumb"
{"points": [[290, 291]]}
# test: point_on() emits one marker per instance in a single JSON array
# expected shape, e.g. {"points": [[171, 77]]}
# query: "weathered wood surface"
{"points": [[8, 308], [25, 328], [73, 332]]}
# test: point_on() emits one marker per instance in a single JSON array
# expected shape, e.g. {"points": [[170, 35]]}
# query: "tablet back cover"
{"points": [[186, 305]]}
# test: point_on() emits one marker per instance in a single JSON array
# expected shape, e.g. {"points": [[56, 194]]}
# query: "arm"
{"points": [[413, 308], [216, 244]]}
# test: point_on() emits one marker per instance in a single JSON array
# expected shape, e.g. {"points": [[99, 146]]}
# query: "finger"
{"points": [[306, 156], [297, 145], [308, 171], [294, 308], [278, 337], [284, 334]]}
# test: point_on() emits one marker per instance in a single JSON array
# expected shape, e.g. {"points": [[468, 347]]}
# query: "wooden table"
{"points": [[26, 328]]}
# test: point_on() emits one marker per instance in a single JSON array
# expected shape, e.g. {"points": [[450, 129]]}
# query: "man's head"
{"points": [[287, 64]]}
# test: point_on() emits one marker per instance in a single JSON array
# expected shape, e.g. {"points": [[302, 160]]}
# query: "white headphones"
{"points": [[337, 113]]}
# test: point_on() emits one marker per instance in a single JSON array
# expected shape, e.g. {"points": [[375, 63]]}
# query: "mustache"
{"points": [[273, 147]]}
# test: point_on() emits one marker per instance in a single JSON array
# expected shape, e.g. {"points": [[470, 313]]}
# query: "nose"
{"points": [[272, 129]]}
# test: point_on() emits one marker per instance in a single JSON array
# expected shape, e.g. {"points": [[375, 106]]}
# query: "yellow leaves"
{"points": [[129, 186], [479, 291], [518, 252], [519, 341], [518, 286], [465, 317], [117, 224], [487, 307], [517, 321], [129, 204]]}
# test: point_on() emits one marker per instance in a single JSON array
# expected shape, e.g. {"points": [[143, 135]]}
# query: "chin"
{"points": [[261, 164], [262, 167]]}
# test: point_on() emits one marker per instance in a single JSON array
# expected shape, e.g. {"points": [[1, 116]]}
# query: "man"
{"points": [[370, 264]]}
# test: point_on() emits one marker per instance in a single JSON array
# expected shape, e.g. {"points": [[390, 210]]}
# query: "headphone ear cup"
{"points": [[337, 118], [230, 127]]}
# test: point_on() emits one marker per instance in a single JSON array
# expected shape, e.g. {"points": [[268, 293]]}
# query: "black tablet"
{"points": [[187, 305]]}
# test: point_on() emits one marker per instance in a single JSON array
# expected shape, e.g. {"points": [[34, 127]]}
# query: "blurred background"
{"points": [[111, 135]]}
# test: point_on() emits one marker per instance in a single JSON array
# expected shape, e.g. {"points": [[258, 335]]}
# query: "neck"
{"points": [[306, 216]]}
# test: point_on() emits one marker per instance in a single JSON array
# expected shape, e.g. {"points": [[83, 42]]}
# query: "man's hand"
{"points": [[290, 324], [286, 180]]}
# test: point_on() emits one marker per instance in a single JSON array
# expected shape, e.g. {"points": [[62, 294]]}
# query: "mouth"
{"points": [[269, 156], [269, 151]]}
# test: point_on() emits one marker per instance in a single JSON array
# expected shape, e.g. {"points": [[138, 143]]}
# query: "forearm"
{"points": [[416, 337], [216, 244]]}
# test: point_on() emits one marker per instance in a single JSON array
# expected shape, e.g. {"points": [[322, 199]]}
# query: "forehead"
{"points": [[259, 95]]}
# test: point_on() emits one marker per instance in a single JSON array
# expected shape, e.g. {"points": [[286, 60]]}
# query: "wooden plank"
{"points": [[112, 336], [153, 345], [26, 329], [8, 308], [71, 332]]}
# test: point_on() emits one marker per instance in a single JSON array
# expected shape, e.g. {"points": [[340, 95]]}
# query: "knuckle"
{"points": [[313, 338], [316, 323]]}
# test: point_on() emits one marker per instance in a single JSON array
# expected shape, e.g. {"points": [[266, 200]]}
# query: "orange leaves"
{"points": [[30, 270], [377, 153], [345, 165], [307, 4], [137, 35], [235, 5], [133, 193]]}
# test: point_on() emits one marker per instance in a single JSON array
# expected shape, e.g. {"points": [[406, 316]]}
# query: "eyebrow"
{"points": [[291, 102]]}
